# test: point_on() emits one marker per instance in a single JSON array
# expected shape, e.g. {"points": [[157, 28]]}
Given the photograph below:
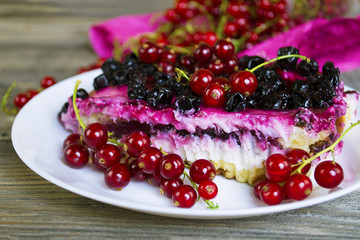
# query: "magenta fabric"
{"points": [[336, 40], [102, 35]]}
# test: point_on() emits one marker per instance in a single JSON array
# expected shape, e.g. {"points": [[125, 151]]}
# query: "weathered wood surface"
{"points": [[41, 37]]}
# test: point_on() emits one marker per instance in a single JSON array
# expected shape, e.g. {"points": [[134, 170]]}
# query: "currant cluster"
{"points": [[247, 21], [22, 98], [92, 66], [138, 160], [286, 177], [190, 22]]}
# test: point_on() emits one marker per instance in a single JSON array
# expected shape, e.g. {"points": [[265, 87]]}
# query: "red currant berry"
{"points": [[95, 135], [296, 156], [167, 67], [202, 170], [258, 186], [277, 167], [200, 80], [148, 53], [210, 38], [328, 174], [168, 55], [71, 139], [107, 155], [117, 176], [20, 100], [224, 49], [47, 81], [298, 187], [168, 186], [224, 82], [95, 164], [171, 166], [231, 65], [149, 159], [187, 62], [244, 82], [237, 9], [184, 196], [136, 142], [230, 29], [136, 172], [216, 66], [207, 190], [155, 178], [242, 24], [76, 155], [203, 53], [214, 95], [172, 16], [31, 93], [272, 193]]}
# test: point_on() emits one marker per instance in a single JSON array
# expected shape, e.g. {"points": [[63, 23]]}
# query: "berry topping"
{"points": [[200, 80], [214, 95], [244, 82]]}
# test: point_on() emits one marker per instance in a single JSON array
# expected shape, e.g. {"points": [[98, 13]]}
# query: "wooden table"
{"points": [[49, 37]]}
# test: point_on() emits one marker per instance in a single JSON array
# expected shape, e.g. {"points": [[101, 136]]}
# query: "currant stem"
{"points": [[277, 59], [180, 73], [76, 110], [5, 99], [330, 148]]}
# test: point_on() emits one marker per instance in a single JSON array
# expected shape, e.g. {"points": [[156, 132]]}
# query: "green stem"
{"points": [[180, 73], [277, 59], [5, 99], [76, 110], [330, 148]]}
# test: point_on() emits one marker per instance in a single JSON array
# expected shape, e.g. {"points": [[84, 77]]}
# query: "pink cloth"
{"points": [[102, 35], [336, 40]]}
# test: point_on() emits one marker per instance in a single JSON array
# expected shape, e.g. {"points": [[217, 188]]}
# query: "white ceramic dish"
{"points": [[38, 136]]}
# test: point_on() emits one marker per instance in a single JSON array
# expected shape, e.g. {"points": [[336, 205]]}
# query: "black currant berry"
{"points": [[276, 101], [100, 82], [248, 62], [308, 68], [290, 63], [137, 91], [109, 67], [235, 103], [187, 104], [159, 97]]}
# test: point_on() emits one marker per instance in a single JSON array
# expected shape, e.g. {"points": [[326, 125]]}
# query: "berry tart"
{"points": [[212, 105]]}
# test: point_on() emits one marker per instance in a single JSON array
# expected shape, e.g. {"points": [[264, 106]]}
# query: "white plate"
{"points": [[38, 136]]}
